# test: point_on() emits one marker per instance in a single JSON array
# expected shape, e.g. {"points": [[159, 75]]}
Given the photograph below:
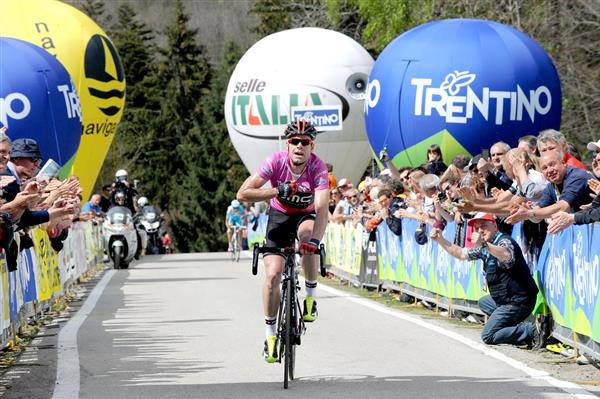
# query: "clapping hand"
{"points": [[594, 185]]}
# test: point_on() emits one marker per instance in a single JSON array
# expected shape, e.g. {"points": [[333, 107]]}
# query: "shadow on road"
{"points": [[349, 386]]}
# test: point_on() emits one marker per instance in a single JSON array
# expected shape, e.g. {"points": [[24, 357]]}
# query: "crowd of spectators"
{"points": [[29, 199], [542, 183]]}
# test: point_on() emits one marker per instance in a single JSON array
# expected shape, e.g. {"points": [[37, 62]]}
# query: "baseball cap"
{"points": [[344, 182], [25, 148], [482, 216], [594, 146]]}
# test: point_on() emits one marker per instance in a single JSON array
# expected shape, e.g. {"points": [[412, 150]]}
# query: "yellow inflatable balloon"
{"points": [[91, 60]]}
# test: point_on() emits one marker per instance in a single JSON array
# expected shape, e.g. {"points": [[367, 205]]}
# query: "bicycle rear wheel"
{"points": [[289, 338]]}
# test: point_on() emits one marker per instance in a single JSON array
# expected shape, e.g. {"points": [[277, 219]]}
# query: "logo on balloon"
{"points": [[103, 67], [325, 117], [459, 109], [15, 106], [324, 108]]}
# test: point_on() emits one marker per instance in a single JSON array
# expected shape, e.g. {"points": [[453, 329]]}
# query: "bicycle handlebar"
{"points": [[285, 252]]}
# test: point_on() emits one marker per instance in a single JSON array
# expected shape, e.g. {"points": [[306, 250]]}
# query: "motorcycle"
{"points": [[150, 223], [120, 236]]}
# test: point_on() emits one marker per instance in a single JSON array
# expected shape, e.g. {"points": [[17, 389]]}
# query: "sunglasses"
{"points": [[352, 196], [304, 142]]}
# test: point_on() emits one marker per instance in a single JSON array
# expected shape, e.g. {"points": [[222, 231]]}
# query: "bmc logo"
{"points": [[15, 106], [324, 117]]}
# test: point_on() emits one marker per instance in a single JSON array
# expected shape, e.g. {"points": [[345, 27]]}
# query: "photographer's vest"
{"points": [[512, 286]]}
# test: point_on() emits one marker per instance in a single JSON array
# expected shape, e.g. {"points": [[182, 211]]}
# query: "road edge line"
{"points": [[67, 382]]}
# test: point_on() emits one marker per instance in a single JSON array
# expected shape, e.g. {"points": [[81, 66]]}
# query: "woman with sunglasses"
{"points": [[299, 209]]}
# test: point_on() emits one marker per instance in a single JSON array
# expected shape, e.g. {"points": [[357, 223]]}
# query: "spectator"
{"points": [[25, 161], [529, 144], [344, 185], [398, 202], [93, 205], [435, 163], [553, 140], [105, 198], [334, 197], [493, 171], [512, 288], [568, 190], [347, 208], [166, 242], [562, 220], [331, 177]]}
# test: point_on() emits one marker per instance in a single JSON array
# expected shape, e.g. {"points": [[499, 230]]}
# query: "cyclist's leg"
{"points": [[309, 264], [229, 238]]}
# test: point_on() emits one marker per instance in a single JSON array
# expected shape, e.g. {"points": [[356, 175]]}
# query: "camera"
{"points": [[442, 196]]}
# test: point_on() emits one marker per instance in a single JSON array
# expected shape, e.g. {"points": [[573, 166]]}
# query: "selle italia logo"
{"points": [[254, 105]]}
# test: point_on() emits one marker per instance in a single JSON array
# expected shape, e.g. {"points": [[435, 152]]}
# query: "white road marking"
{"points": [[573, 389], [67, 368]]}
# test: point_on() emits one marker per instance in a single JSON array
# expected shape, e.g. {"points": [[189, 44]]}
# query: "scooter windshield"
{"points": [[119, 215]]}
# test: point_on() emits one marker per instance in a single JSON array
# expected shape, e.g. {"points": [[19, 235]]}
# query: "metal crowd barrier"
{"points": [[44, 276]]}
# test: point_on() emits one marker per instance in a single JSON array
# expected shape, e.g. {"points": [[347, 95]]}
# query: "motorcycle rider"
{"points": [[122, 185]]}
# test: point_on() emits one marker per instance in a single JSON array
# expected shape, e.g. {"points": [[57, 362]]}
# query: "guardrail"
{"points": [[43, 276]]}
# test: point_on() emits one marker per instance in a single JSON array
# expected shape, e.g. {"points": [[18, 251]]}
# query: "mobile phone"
{"points": [[485, 154]]}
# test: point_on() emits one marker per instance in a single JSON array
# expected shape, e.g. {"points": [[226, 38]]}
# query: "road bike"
{"points": [[290, 323], [236, 243]]}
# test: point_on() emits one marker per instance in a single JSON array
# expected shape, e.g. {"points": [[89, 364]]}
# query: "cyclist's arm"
{"points": [[322, 210], [251, 190]]}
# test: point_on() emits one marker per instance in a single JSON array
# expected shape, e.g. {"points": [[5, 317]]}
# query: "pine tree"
{"points": [[95, 9], [184, 74]]}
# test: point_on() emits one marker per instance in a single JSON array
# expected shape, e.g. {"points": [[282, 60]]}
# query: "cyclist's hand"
{"points": [[286, 189], [309, 248]]}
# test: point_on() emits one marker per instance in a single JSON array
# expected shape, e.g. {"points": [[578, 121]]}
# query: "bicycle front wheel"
{"points": [[288, 368]]}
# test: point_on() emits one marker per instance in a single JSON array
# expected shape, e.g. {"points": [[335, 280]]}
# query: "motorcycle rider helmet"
{"points": [[142, 202], [300, 127], [121, 175], [235, 203], [120, 198]]}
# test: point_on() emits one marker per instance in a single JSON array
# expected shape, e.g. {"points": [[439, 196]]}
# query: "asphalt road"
{"points": [[191, 326]]}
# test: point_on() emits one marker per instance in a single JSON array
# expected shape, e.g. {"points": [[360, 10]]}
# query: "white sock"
{"points": [[270, 326], [311, 287]]}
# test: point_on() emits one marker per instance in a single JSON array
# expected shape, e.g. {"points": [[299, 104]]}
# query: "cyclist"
{"points": [[234, 217], [299, 209]]}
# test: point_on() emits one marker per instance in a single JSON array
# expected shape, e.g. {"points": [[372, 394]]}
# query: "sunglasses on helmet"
{"points": [[304, 142]]}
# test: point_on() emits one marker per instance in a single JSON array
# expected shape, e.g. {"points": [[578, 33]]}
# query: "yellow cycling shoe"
{"points": [[310, 313], [270, 350]]}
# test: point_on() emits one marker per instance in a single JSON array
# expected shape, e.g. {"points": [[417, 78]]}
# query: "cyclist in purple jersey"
{"points": [[299, 209]]}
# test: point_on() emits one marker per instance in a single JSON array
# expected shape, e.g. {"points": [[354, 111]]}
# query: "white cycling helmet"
{"points": [[235, 203], [121, 175], [142, 201]]}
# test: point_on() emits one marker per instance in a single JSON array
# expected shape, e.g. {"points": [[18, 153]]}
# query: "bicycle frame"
{"points": [[290, 323]]}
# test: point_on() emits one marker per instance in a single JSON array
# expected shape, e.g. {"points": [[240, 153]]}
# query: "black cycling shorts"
{"points": [[282, 228]]}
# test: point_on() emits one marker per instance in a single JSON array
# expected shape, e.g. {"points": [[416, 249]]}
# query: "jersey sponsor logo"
{"points": [[324, 117], [298, 200]]}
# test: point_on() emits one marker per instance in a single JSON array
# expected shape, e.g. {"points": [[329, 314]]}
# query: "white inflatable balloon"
{"points": [[307, 72]]}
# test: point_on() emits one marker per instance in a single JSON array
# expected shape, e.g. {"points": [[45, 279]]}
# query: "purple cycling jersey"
{"points": [[314, 178]]}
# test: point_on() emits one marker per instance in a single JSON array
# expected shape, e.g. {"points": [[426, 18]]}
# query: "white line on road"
{"points": [[569, 387], [67, 368]]}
